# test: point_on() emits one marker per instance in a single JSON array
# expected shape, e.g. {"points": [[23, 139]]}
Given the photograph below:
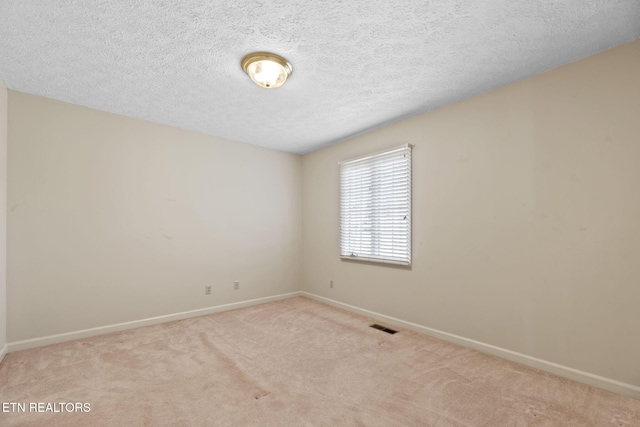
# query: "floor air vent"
{"points": [[383, 329]]}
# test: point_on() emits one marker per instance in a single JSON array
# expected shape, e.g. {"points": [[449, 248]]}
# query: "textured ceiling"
{"points": [[358, 64]]}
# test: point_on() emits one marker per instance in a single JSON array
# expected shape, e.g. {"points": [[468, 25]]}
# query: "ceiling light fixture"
{"points": [[267, 69]]}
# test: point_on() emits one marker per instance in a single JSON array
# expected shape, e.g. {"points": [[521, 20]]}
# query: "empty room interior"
{"points": [[206, 206]]}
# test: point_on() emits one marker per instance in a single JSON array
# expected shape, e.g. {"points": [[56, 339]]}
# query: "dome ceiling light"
{"points": [[267, 69]]}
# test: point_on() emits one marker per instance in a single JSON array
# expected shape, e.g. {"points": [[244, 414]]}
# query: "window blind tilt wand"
{"points": [[375, 207]]}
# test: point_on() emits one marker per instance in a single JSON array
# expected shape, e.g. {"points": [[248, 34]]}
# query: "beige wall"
{"points": [[526, 219], [113, 219], [3, 216]]}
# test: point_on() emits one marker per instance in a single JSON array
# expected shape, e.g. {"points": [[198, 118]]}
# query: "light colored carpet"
{"points": [[295, 362]]}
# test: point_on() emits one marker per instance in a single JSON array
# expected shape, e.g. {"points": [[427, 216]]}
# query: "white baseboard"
{"points": [[85, 333], [4, 352], [554, 368]]}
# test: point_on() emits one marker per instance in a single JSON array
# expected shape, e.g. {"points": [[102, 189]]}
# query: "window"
{"points": [[375, 207]]}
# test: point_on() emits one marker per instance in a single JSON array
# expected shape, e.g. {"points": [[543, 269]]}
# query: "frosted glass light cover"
{"points": [[267, 73], [266, 69]]}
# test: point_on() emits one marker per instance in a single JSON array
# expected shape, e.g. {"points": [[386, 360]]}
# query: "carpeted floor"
{"points": [[295, 362]]}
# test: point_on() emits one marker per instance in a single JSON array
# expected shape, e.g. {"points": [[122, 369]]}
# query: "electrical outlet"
{"points": [[331, 283], [207, 290], [236, 286]]}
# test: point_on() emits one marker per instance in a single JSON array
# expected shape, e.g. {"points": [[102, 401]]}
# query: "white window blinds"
{"points": [[375, 207]]}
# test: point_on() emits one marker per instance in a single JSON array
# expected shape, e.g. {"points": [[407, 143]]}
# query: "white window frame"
{"points": [[359, 244]]}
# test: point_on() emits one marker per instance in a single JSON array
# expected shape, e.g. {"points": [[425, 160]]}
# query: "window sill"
{"points": [[380, 262]]}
